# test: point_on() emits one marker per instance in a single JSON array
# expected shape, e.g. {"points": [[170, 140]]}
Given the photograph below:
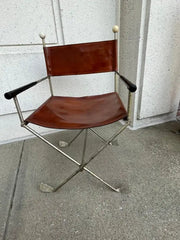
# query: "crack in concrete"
{"points": [[13, 193]]}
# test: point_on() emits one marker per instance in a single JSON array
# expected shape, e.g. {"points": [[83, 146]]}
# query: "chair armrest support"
{"points": [[13, 93], [132, 87]]}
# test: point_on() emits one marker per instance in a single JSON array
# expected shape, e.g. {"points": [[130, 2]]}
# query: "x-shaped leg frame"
{"points": [[82, 166]]}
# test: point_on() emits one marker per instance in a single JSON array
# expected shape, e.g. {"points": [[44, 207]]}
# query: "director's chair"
{"points": [[81, 113]]}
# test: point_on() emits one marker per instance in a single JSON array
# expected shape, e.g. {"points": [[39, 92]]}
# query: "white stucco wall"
{"points": [[161, 87], [150, 56], [21, 57]]}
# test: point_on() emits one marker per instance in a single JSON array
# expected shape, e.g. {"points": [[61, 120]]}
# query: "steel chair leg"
{"points": [[47, 188], [82, 166], [100, 179], [84, 147], [115, 142]]}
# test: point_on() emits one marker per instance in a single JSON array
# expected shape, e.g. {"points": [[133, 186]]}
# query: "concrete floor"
{"points": [[145, 166]]}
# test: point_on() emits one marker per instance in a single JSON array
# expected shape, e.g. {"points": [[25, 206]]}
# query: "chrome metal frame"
{"points": [[82, 166], [116, 82], [50, 85], [104, 140], [84, 149], [43, 36]]}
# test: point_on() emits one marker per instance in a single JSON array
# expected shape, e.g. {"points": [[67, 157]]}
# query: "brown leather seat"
{"points": [[79, 112]]}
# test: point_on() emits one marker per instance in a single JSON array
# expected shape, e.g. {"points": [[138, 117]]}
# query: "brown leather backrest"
{"points": [[94, 57]]}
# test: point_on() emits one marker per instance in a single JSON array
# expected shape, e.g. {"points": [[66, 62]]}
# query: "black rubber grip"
{"points": [[16, 91], [131, 86]]}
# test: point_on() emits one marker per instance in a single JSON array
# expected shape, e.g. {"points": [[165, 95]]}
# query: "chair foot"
{"points": [[63, 144], [100, 179], [46, 188], [114, 143], [117, 190]]}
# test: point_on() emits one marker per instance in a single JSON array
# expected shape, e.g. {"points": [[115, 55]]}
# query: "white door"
{"points": [[21, 55]]}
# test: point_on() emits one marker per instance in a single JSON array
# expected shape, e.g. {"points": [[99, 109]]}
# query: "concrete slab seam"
{"points": [[13, 193]]}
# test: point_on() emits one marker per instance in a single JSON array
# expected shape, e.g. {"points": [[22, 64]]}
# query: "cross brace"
{"points": [[82, 166]]}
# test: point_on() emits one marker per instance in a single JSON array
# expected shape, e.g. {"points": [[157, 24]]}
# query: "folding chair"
{"points": [[81, 113]]}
